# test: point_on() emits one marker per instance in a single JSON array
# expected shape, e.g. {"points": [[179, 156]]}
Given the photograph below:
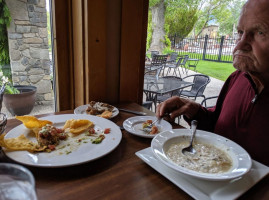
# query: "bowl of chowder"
{"points": [[217, 158]]}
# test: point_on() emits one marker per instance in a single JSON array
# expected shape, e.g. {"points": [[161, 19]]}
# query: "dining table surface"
{"points": [[118, 175]]}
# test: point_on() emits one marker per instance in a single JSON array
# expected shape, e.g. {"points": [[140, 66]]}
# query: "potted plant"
{"points": [[18, 99]]}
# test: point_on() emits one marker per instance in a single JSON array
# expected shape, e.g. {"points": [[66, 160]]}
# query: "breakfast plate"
{"points": [[134, 126], [72, 153], [82, 110], [240, 159]]}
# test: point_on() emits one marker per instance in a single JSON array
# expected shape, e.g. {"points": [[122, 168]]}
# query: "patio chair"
{"points": [[174, 66], [147, 104], [184, 62], [173, 58], [161, 98], [158, 60], [153, 72], [204, 102], [154, 53], [197, 89]]}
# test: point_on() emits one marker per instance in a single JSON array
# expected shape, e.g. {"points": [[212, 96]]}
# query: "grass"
{"points": [[216, 70]]}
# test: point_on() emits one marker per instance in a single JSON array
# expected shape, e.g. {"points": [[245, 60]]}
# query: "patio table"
{"points": [[193, 62], [160, 86]]}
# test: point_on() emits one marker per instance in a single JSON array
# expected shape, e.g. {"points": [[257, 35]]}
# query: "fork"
{"points": [[149, 127]]}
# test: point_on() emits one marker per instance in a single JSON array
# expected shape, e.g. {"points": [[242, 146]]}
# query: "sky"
{"points": [[47, 5]]}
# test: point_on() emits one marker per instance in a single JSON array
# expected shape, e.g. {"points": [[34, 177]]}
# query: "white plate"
{"points": [[82, 153], [82, 110], [240, 158], [204, 189], [134, 125]]}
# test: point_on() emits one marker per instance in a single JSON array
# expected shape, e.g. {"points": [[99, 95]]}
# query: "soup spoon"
{"points": [[190, 149]]}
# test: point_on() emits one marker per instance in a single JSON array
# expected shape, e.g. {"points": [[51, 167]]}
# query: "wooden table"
{"points": [[118, 175]]}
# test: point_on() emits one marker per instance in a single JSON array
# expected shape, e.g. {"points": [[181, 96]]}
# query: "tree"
{"points": [[158, 34], [181, 17], [228, 21], [4, 23], [210, 10], [170, 17]]}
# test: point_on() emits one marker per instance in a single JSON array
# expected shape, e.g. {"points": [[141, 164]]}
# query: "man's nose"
{"points": [[244, 43]]}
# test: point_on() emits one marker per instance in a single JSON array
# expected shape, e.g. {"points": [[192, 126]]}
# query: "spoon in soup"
{"points": [[190, 149]]}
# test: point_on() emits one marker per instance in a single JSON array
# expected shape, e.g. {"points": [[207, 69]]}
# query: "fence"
{"points": [[205, 48]]}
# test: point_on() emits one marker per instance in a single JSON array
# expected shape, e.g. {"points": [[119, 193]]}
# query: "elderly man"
{"points": [[242, 110]]}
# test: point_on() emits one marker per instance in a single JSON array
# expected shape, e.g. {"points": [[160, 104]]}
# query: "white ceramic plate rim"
{"points": [[86, 152], [241, 159], [82, 110], [128, 125]]}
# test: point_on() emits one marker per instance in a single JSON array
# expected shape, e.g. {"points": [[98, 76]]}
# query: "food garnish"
{"points": [[100, 109], [99, 139], [107, 130], [154, 129]]}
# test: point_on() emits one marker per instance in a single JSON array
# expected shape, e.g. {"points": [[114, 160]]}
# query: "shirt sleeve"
{"points": [[207, 118]]}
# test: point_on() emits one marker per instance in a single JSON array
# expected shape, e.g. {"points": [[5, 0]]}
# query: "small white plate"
{"points": [[241, 161], [77, 154], [134, 126], [204, 189], [82, 110]]}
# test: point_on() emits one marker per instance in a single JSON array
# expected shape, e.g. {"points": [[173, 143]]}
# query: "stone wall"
{"points": [[28, 47]]}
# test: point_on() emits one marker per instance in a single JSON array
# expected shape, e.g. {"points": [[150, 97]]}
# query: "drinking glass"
{"points": [[16, 183]]}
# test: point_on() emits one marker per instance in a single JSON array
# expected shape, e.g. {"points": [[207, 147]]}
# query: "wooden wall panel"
{"points": [[79, 52], [96, 55], [133, 48], [62, 31], [100, 46]]}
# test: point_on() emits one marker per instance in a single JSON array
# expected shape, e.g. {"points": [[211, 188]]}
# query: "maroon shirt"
{"points": [[240, 115]]}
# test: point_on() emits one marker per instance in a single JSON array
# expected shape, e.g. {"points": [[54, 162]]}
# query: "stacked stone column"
{"points": [[28, 47]]}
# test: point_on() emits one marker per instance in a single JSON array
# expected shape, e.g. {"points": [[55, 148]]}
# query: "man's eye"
{"points": [[240, 32], [260, 33]]}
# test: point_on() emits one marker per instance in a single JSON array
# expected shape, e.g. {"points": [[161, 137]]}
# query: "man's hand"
{"points": [[176, 106]]}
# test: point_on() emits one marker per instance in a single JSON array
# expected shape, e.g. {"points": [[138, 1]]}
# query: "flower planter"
{"points": [[23, 103]]}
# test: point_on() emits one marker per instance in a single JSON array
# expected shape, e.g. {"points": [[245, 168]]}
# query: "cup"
{"points": [[16, 183]]}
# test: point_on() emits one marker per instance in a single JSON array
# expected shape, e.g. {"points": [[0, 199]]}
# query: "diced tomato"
{"points": [[154, 130], [59, 130], [91, 131], [62, 136], [107, 130], [149, 121], [51, 147]]}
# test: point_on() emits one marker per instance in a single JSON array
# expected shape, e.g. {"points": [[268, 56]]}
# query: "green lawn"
{"points": [[216, 70]]}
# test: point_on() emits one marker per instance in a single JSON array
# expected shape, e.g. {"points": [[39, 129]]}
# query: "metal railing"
{"points": [[205, 48]]}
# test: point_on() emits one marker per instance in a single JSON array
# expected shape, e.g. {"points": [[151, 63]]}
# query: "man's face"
{"points": [[251, 53]]}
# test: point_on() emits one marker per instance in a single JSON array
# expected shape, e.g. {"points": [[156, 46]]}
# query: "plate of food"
{"points": [[217, 158], [99, 109], [138, 126], [60, 140]]}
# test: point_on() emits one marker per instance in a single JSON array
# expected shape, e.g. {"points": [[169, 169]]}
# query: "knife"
{"points": [[131, 111]]}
